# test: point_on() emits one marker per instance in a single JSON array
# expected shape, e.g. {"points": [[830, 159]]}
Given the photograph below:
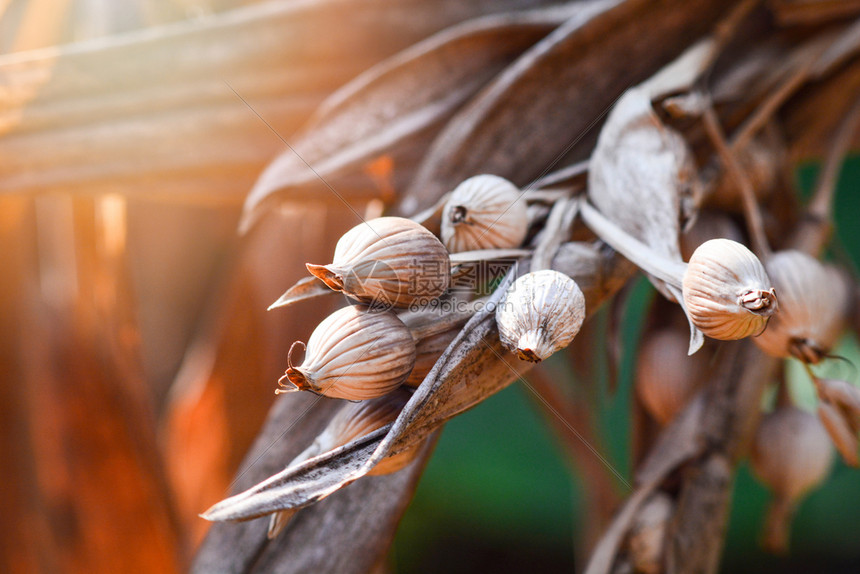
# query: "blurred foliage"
{"points": [[498, 495]]}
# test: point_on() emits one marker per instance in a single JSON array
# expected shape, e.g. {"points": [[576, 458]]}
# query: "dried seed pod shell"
{"points": [[541, 313], [395, 462], [355, 354], [666, 378], [428, 351], [352, 421], [484, 212], [727, 293], [814, 302], [791, 452], [387, 262], [355, 420]]}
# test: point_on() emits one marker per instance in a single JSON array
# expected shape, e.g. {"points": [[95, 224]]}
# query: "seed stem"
{"points": [[733, 167], [815, 230], [672, 272]]}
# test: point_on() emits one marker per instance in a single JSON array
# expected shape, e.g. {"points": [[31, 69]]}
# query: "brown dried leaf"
{"points": [[305, 288], [558, 89], [812, 12], [642, 176], [148, 113], [398, 99]]}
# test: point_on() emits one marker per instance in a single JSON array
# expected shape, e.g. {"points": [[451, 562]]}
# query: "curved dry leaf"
{"points": [[148, 113], [397, 99], [575, 175], [812, 12], [302, 484], [305, 288], [555, 232], [641, 175], [472, 368], [557, 90], [487, 255]]}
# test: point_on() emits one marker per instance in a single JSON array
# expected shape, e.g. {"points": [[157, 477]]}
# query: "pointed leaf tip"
{"points": [[305, 288]]}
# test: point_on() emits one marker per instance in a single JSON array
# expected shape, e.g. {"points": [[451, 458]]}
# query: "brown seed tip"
{"points": [[528, 355], [458, 214], [322, 272], [294, 378], [806, 350], [759, 301]]}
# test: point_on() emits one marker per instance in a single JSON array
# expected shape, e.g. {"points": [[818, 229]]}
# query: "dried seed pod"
{"points": [[387, 262], [484, 212], [355, 420], [791, 454], [646, 541], [540, 314], [724, 289], [354, 354], [814, 304], [428, 351], [727, 292], [666, 378]]}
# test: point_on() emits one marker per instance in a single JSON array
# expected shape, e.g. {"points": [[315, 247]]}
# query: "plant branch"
{"points": [[732, 165]]}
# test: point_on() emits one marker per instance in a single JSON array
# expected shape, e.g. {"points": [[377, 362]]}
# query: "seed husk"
{"points": [[387, 262], [354, 354], [484, 212], [814, 302], [541, 313]]}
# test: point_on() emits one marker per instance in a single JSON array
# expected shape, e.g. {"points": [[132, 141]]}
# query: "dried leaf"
{"points": [[574, 176], [642, 177], [397, 99], [812, 12], [605, 552], [814, 114], [558, 89], [305, 288], [487, 255], [149, 113], [92, 456]]}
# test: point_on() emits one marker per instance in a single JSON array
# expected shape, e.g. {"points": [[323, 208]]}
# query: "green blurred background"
{"points": [[501, 495]]}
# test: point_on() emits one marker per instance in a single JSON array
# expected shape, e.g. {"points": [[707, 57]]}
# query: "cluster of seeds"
{"points": [[365, 353]]}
